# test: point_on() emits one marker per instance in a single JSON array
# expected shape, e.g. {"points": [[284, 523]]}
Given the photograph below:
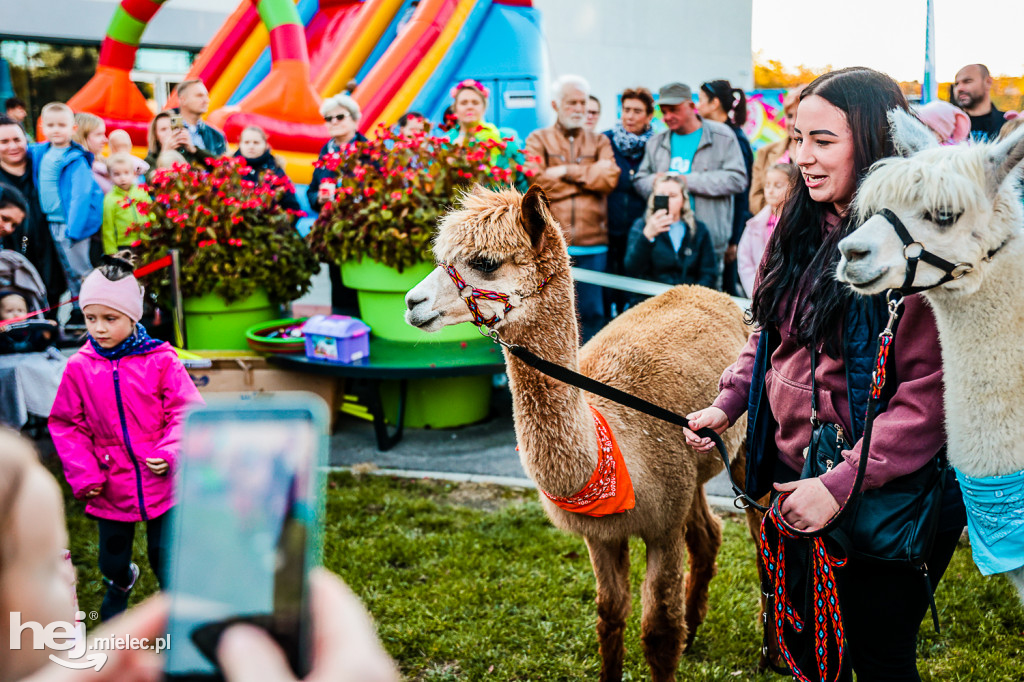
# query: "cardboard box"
{"points": [[251, 375]]}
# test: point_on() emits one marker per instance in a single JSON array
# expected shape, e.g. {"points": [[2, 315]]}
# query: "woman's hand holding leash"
{"points": [[810, 504], [710, 417]]}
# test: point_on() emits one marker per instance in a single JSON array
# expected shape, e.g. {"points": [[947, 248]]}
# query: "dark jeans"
{"points": [[882, 607], [731, 278], [115, 555], [589, 297], [616, 301]]}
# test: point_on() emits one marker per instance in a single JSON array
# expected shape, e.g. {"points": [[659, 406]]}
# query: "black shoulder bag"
{"points": [[894, 523]]}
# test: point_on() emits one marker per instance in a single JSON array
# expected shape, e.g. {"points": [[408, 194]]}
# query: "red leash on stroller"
{"points": [[148, 268]]}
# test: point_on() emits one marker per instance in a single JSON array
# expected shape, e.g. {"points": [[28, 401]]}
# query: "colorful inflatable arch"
{"points": [[284, 103], [273, 60]]}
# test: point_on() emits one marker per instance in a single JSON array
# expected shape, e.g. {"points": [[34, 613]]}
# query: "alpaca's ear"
{"points": [[534, 216], [1005, 159], [909, 135]]}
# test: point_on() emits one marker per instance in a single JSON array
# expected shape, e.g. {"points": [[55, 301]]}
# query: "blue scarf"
{"points": [[136, 344], [995, 520], [631, 145]]}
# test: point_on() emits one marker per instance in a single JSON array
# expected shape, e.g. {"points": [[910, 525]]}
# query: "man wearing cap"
{"points": [[707, 156]]}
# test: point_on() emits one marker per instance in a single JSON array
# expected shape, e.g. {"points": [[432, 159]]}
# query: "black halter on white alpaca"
{"points": [[914, 251]]}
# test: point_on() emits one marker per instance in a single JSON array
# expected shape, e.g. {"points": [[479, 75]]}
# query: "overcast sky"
{"points": [[889, 35]]}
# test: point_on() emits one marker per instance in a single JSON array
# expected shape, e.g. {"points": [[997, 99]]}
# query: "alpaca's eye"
{"points": [[943, 217], [485, 265]]}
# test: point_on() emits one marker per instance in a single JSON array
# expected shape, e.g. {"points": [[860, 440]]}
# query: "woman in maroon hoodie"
{"points": [[841, 129]]}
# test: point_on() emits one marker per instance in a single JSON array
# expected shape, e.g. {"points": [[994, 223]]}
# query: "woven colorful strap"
{"points": [[826, 597], [475, 294], [878, 375]]}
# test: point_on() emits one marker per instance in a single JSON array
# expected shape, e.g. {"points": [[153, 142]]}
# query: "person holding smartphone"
{"points": [[167, 133], [669, 245]]}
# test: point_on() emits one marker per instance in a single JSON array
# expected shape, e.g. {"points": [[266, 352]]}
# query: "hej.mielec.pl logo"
{"points": [[70, 637]]}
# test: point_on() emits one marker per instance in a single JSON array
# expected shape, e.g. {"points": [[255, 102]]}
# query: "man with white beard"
{"points": [[577, 170]]}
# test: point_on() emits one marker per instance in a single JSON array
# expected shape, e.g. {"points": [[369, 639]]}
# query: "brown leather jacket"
{"points": [[578, 198]]}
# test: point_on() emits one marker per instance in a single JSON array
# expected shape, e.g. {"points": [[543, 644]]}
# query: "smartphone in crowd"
{"points": [[177, 122], [660, 202], [246, 529]]}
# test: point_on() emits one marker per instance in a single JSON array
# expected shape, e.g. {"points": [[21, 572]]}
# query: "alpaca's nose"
{"points": [[412, 301], [853, 251]]}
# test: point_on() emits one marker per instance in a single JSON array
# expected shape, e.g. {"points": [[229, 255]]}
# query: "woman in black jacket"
{"points": [[669, 245], [629, 138], [263, 167], [719, 101]]}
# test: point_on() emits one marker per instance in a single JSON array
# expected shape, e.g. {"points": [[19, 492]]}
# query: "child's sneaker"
{"points": [[134, 569], [115, 601]]}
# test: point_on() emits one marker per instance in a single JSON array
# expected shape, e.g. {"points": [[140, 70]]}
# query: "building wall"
{"points": [[186, 24], [615, 45]]}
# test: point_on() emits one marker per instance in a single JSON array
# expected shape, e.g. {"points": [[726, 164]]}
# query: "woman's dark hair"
{"points": [[733, 100], [798, 270], [9, 196], [117, 266], [407, 115], [642, 94]]}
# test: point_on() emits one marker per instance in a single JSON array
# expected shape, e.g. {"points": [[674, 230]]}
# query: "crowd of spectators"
{"points": [[607, 189]]}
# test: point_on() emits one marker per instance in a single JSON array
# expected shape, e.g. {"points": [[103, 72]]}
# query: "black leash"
{"points": [[567, 376]]}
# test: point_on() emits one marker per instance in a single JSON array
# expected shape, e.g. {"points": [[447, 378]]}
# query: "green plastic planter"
{"points": [[439, 403], [381, 290], [212, 324]]}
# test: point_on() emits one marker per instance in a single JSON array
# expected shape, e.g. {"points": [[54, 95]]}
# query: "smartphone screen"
{"points": [[660, 202], [245, 530]]}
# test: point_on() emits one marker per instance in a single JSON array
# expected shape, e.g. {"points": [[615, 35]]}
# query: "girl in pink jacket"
{"points": [[777, 182], [116, 424]]}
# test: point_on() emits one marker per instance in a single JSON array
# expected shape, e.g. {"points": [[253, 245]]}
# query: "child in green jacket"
{"points": [[121, 215]]}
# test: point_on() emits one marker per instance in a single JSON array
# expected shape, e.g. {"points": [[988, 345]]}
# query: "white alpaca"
{"points": [[962, 204]]}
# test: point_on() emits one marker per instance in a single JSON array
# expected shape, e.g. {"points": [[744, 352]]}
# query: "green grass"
{"points": [[473, 583]]}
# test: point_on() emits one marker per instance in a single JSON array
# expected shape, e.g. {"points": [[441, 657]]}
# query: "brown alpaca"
{"points": [[670, 350]]}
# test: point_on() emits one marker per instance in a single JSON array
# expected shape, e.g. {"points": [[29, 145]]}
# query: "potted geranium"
{"points": [[390, 193], [240, 254]]}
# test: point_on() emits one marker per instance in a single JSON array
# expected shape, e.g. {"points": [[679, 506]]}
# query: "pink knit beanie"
{"points": [[124, 295], [951, 123]]}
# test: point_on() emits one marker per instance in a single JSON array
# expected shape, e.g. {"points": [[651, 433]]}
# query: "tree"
{"points": [[771, 73]]}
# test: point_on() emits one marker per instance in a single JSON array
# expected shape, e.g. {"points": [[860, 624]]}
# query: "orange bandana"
{"points": [[609, 490]]}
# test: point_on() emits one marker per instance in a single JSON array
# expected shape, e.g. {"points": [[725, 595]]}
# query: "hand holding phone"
{"points": [[345, 645], [246, 530], [660, 202]]}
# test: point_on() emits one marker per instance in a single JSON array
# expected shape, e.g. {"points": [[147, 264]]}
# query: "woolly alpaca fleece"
{"points": [[670, 350], [963, 204]]}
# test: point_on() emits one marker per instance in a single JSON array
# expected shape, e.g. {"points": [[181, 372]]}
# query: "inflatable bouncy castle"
{"points": [[273, 61]]}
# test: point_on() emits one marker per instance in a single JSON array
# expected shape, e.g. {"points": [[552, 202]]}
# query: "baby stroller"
{"points": [[30, 367]]}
